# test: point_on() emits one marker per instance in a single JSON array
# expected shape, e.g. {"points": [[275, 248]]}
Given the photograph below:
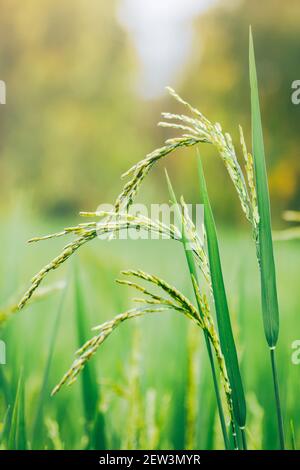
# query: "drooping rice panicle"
{"points": [[213, 134], [249, 166], [175, 301], [90, 347], [54, 264], [201, 130], [203, 318], [110, 223], [115, 222], [210, 328], [139, 171], [196, 243], [41, 293]]}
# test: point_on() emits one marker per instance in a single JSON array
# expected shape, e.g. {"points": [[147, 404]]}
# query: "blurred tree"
{"points": [[66, 131], [73, 122], [217, 83]]}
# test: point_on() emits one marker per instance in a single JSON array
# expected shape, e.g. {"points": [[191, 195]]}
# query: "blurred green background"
{"points": [[85, 88]]}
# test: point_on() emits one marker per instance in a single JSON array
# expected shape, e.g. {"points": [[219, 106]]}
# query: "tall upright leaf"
{"points": [[17, 434], [221, 306], [267, 265], [194, 274], [269, 299]]}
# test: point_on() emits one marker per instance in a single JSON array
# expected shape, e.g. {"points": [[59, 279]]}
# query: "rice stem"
{"points": [[217, 392], [244, 439], [277, 399]]}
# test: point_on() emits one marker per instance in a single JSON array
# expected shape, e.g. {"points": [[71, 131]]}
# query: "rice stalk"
{"points": [[191, 401]]}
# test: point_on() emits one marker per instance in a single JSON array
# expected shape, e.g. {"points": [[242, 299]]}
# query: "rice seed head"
{"points": [[213, 335], [196, 243], [88, 350], [249, 166], [54, 264], [155, 303], [41, 293], [212, 133], [113, 222], [198, 129]]}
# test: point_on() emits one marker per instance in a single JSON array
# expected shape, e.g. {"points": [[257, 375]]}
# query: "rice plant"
{"points": [[203, 260]]}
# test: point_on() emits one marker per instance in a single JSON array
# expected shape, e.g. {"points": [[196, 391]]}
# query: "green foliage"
{"points": [[266, 256], [17, 435], [38, 436], [265, 244], [221, 305], [94, 419]]}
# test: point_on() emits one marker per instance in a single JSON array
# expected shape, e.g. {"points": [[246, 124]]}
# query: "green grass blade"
{"points": [[14, 420], [293, 438], [270, 309], [22, 434], [94, 419], [193, 273], [39, 418], [267, 265], [221, 306], [5, 388], [17, 434], [5, 427]]}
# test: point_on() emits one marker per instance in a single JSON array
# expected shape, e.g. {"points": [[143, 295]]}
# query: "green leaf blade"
{"points": [[267, 265], [221, 306], [17, 434], [193, 273]]}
